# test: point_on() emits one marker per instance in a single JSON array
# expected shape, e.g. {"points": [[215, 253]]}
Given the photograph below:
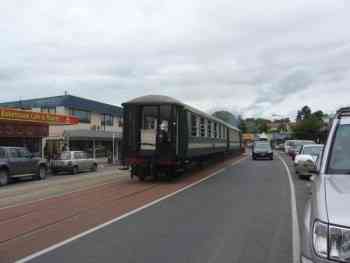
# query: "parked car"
{"points": [[73, 162], [262, 150], [288, 144], [280, 147], [326, 225], [306, 159], [18, 162], [298, 144]]}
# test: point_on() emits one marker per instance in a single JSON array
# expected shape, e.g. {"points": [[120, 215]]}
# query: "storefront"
{"points": [[28, 129], [99, 144]]}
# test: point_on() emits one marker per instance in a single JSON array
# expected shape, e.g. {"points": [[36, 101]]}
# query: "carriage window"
{"points": [[193, 125], [202, 127], [209, 129], [165, 133], [149, 127]]}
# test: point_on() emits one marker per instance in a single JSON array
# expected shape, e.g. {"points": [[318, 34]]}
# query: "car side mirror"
{"points": [[313, 169]]}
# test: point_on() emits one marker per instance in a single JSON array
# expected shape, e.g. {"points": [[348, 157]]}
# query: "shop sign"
{"points": [[38, 117]]}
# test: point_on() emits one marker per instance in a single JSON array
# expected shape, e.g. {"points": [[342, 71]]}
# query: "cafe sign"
{"points": [[37, 117]]}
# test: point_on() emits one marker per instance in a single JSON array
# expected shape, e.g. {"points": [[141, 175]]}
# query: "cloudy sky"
{"points": [[257, 58]]}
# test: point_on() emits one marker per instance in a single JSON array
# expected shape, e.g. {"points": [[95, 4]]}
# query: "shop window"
{"points": [[2, 153], [107, 120], [193, 125], [215, 130], [84, 116], [202, 127], [209, 129], [48, 109]]}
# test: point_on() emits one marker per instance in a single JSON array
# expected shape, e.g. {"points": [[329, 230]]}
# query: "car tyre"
{"points": [[41, 174], [75, 170], [94, 167], [4, 177]]}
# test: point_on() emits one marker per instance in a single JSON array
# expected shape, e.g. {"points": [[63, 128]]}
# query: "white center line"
{"points": [[295, 223]]}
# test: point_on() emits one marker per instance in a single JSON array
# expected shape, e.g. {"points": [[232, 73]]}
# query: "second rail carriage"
{"points": [[162, 134]]}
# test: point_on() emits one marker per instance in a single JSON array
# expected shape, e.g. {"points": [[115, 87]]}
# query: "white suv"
{"points": [[326, 228]]}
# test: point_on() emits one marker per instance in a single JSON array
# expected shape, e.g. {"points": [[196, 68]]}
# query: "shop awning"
{"points": [[92, 135]]}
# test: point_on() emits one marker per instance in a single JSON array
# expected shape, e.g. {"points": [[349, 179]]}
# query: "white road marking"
{"points": [[58, 245], [295, 223]]}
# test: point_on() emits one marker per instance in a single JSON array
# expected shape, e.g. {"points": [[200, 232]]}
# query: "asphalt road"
{"points": [[241, 215]]}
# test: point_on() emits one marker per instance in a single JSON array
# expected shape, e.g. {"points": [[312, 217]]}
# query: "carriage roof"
{"points": [[161, 100]]}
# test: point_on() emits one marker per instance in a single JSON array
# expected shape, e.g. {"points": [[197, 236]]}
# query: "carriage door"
{"points": [[166, 143], [149, 128]]}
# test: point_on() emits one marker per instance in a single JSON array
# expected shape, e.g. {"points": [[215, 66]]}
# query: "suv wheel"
{"points": [[75, 170], [4, 177], [41, 173], [94, 167]]}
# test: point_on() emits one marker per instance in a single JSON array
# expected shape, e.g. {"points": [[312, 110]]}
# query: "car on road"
{"points": [[73, 162], [326, 225], [306, 159], [262, 150], [16, 162], [288, 144], [279, 147], [296, 147]]}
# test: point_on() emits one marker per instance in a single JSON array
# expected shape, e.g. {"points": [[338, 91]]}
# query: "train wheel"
{"points": [[142, 177]]}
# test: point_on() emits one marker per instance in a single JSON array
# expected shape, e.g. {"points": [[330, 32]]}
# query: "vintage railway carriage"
{"points": [[162, 134]]}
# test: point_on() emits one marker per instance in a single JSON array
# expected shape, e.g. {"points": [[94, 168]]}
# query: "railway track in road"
{"points": [[59, 210], [31, 227], [28, 192]]}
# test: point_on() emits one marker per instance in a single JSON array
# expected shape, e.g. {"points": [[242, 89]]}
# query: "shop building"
{"points": [[23, 128], [99, 130]]}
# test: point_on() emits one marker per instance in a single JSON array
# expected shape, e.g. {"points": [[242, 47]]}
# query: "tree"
{"points": [[304, 113], [242, 125], [308, 124], [318, 115]]}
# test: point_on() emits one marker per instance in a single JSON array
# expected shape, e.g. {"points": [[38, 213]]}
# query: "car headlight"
{"points": [[332, 242], [320, 239], [339, 243]]}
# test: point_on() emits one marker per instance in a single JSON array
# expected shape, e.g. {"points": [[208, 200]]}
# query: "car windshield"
{"points": [[312, 150], [290, 143], [340, 153], [262, 147], [65, 156]]}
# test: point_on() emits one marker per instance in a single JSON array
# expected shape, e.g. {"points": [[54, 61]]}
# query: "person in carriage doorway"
{"points": [[164, 136]]}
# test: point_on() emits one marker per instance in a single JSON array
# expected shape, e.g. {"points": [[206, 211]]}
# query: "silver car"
{"points": [[326, 226], [74, 162], [306, 159]]}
